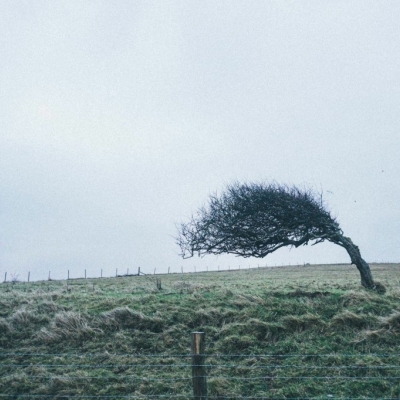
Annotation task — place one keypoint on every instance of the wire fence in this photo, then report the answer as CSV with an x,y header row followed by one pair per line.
x,y
130,272
223,376
138,271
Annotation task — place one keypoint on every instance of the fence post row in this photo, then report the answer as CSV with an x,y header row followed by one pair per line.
x,y
198,368
138,273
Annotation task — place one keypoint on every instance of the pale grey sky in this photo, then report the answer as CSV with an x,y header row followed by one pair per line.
x,y
119,118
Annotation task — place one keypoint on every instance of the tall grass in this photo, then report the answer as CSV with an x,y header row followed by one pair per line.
x,y
86,339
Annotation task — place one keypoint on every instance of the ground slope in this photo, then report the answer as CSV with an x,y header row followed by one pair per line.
x,y
287,332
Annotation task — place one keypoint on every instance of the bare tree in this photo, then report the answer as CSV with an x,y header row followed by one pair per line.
x,y
253,220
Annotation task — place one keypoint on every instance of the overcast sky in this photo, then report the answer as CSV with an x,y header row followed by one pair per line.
x,y
119,118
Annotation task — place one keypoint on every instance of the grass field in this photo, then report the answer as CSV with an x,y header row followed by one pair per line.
x,y
286,332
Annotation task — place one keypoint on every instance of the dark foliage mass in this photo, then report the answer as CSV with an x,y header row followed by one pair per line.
x,y
256,219
253,220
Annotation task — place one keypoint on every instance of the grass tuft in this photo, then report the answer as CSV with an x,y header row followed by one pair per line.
x,y
235,344
68,325
380,288
265,330
127,318
295,323
347,319
392,322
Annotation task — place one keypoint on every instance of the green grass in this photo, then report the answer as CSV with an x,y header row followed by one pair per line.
x,y
122,336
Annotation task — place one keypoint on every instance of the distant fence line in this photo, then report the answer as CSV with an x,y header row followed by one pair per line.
x,y
260,373
14,278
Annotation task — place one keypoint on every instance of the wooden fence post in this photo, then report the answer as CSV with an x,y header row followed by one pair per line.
x,y
85,273
198,368
5,277
68,276
29,276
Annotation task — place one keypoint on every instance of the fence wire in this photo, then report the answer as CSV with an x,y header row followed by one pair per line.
x,y
208,355
129,397
168,376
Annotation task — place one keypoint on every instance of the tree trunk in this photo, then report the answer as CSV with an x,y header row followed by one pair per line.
x,y
355,256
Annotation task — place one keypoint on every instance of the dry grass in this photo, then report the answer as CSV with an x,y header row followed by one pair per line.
x,y
68,326
348,319
392,321
124,317
299,323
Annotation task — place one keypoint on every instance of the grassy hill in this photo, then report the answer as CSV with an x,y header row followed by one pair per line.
x,y
287,332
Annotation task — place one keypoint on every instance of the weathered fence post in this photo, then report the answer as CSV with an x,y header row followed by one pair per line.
x,y
5,277
116,272
101,273
198,368
85,273
168,269
158,283
138,271
29,276
68,276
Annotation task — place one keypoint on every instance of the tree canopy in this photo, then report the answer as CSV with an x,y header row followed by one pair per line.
x,y
256,219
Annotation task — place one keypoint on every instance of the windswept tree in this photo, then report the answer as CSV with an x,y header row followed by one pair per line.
x,y
254,220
